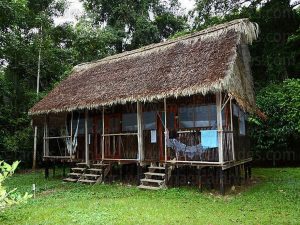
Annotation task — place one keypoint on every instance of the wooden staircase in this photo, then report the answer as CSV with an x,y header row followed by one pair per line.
x,y
76,172
88,174
95,173
155,178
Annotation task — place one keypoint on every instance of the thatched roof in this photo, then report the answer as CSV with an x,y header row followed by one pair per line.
x,y
207,61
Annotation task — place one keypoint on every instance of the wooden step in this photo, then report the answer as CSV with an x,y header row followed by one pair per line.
x,y
99,164
91,175
68,179
87,181
156,168
95,170
81,164
75,174
148,187
78,168
159,182
155,174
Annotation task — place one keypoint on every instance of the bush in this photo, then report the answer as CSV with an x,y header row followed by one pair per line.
x,y
281,130
11,197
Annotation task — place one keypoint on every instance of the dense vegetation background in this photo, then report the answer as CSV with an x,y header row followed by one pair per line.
x,y
109,27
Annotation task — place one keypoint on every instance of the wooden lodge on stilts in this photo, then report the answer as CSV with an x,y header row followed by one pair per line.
x,y
168,114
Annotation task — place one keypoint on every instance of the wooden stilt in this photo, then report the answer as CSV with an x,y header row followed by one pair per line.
x,y
46,170
126,173
177,177
232,173
249,171
239,175
246,173
54,169
199,171
138,180
64,170
166,174
207,177
227,176
211,181
121,173
110,174
222,185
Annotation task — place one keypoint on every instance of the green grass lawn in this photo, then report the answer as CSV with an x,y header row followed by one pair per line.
x,y
275,199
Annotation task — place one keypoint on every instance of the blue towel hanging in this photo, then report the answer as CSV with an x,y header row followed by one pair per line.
x,y
209,138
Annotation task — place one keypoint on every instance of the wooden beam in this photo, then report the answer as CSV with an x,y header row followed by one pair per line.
x,y
44,138
140,132
103,132
120,134
86,136
231,128
166,130
47,134
71,134
220,125
58,137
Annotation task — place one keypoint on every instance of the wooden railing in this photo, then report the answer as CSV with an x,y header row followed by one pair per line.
x,y
120,146
227,145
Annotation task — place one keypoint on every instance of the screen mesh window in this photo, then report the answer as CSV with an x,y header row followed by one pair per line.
x,y
242,124
198,116
149,120
129,122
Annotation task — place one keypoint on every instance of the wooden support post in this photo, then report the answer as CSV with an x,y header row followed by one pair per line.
x,y
199,175
166,174
138,180
46,135
110,173
220,125
140,132
177,177
64,170
239,175
54,169
249,171
86,137
231,128
166,130
44,139
71,135
47,170
231,172
103,133
222,184
210,179
121,173
246,173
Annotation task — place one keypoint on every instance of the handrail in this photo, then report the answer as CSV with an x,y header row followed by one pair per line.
x,y
119,134
57,137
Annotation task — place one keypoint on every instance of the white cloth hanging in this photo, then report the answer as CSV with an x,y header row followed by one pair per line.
x,y
72,145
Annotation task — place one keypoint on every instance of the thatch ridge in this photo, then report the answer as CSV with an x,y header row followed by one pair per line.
x,y
176,74
251,30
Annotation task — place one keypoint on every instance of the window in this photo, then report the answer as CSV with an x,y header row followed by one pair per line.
x,y
186,117
129,122
198,116
114,125
149,120
242,116
201,116
242,125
